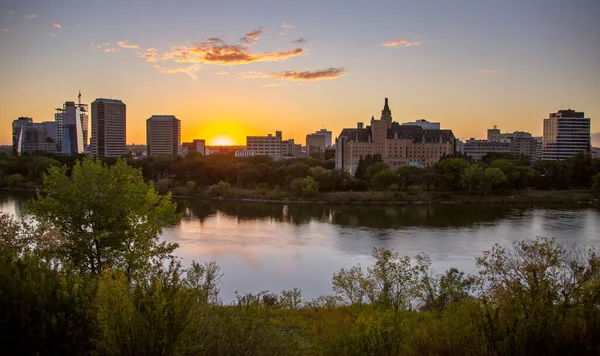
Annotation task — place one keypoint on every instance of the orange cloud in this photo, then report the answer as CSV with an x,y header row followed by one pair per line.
x,y
488,71
249,37
29,17
109,50
214,50
124,44
57,25
329,73
401,42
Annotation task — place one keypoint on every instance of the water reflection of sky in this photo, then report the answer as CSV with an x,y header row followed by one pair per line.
x,y
276,247
271,254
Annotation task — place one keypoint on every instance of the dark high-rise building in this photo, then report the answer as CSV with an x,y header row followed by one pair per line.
x,y
163,135
108,128
566,133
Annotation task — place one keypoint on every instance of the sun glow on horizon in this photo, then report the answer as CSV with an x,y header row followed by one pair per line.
x,y
221,140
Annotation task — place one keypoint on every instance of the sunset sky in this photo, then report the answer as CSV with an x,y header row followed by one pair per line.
x,y
228,69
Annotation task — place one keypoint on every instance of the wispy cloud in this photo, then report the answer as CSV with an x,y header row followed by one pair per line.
x,y
329,73
10,12
300,40
285,28
270,85
124,44
249,37
110,50
189,70
221,73
57,25
29,17
401,42
51,34
4,30
488,71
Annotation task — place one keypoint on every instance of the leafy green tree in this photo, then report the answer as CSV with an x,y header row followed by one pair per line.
x,y
472,176
383,179
374,168
449,173
108,216
492,178
306,187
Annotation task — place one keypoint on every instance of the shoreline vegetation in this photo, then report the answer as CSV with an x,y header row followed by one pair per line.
x,y
496,179
91,276
577,197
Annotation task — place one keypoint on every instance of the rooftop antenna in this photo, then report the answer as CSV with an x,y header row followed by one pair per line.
x,y
79,97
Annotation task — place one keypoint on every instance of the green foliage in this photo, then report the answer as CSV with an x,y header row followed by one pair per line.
x,y
306,187
108,217
383,179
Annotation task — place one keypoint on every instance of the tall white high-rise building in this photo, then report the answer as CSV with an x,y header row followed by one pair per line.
x,y
163,135
108,128
566,133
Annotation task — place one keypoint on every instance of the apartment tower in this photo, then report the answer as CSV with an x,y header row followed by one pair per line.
x,y
108,128
163,135
566,133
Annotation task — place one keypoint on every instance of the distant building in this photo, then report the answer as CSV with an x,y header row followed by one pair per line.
x,y
424,124
109,121
398,145
72,127
566,133
265,145
317,142
245,153
289,148
476,149
521,143
163,135
195,146
30,137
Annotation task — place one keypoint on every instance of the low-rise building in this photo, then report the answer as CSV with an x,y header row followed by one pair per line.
x,y
270,145
476,149
29,136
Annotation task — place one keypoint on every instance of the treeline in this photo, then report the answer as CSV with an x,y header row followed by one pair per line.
x,y
91,276
498,173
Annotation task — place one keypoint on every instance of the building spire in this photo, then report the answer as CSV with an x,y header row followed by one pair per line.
x,y
79,97
386,113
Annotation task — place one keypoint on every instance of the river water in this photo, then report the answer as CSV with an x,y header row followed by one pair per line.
x,y
267,246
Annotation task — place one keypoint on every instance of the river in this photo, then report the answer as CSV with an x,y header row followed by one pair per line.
x,y
267,246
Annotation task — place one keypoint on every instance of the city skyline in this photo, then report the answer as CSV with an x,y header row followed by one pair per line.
x,y
236,70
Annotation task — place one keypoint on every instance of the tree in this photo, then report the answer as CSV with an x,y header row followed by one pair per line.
x,y
107,216
307,186
596,184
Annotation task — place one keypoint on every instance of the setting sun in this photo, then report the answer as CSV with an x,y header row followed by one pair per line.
x,y
221,140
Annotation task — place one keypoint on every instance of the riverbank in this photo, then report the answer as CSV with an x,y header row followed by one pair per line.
x,y
525,197
568,197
